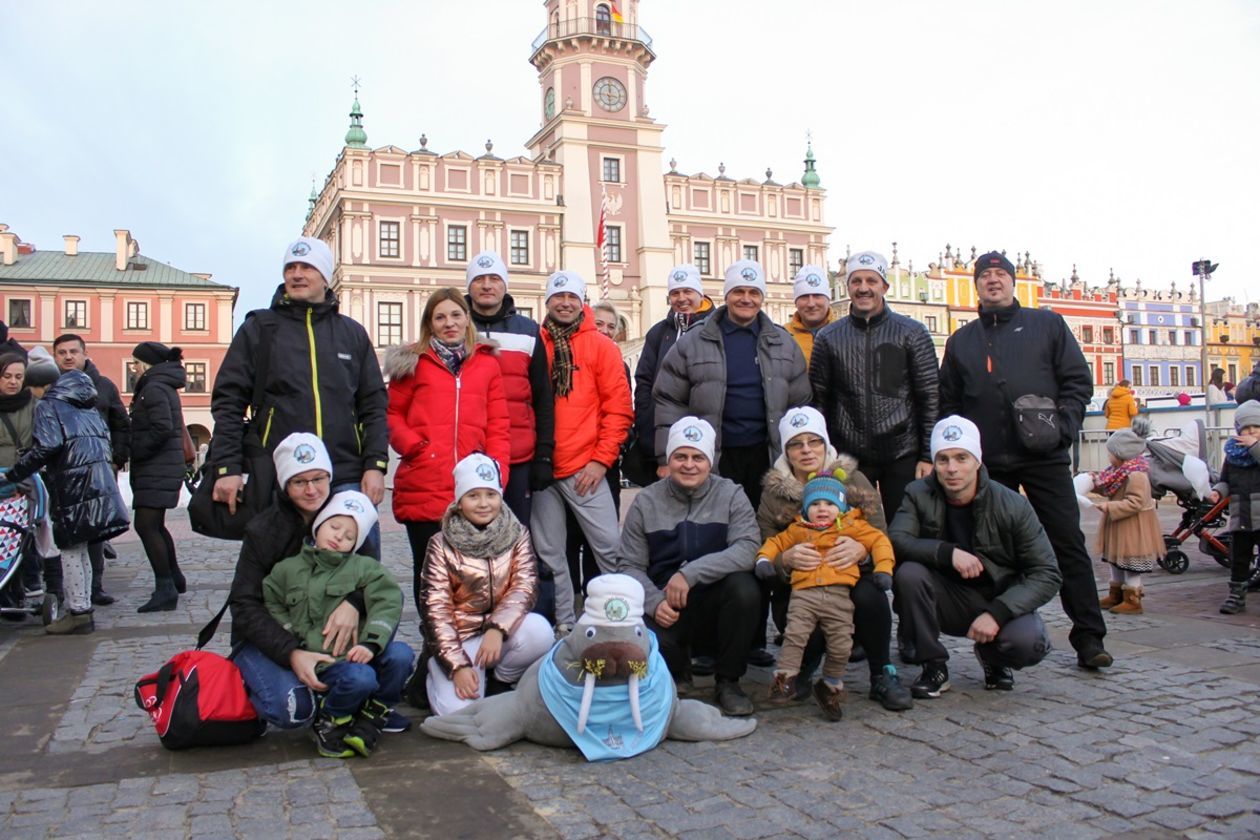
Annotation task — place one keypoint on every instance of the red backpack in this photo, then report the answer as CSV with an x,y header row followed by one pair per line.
x,y
198,699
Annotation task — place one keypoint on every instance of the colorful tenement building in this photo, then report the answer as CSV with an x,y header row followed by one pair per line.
x,y
115,300
1233,337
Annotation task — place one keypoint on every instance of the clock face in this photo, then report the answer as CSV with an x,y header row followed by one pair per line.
x,y
549,103
610,94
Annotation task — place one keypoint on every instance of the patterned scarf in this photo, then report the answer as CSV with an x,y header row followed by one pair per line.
x,y
562,363
1238,455
491,541
1112,479
452,355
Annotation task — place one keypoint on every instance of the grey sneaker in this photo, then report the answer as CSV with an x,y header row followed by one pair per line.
x,y
886,688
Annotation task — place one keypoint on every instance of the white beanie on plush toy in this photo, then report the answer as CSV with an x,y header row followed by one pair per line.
x,y
350,503
313,252
474,472
613,601
694,432
487,262
299,453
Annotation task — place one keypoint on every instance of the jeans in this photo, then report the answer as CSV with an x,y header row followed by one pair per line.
x,y
372,545
278,696
350,684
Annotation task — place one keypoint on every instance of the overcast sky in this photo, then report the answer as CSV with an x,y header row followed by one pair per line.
x,y
1105,134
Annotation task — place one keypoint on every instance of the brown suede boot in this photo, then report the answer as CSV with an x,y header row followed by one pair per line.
x,y
1132,603
1115,595
782,690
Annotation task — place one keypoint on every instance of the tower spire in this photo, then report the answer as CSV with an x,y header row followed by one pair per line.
x,y
810,179
356,137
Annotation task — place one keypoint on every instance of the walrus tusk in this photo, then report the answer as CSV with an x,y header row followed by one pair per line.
x,y
588,694
634,702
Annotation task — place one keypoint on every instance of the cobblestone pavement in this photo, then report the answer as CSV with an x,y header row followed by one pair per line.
x,y
1162,744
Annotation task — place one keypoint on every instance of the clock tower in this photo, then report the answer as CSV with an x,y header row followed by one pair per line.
x,y
592,61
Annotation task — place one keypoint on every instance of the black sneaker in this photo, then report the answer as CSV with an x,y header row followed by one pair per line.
x,y
996,677
732,700
886,688
396,722
366,728
933,681
329,734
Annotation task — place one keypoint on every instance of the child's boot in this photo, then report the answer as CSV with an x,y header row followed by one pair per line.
x,y
783,689
329,734
1115,595
1237,601
1131,604
831,699
367,727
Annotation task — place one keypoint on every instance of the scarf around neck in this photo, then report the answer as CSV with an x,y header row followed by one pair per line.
x,y
1238,455
1112,479
452,355
562,362
16,402
491,541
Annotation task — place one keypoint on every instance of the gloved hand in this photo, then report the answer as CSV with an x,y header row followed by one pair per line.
x,y
541,474
765,569
883,581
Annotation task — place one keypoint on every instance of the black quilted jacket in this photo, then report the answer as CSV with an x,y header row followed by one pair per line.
x,y
875,380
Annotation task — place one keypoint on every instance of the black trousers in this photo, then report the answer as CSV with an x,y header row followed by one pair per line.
x,y
933,603
1050,491
1242,550
891,480
725,611
747,466
418,535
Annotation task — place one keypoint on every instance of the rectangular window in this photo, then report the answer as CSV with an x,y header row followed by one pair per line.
x,y
1109,335
196,377
1172,337
1137,376
76,313
700,256
1135,336
389,239
457,243
137,315
931,323
388,324
1087,334
1109,373
1154,376
1174,376
520,247
1189,338
750,252
130,377
1232,376
612,170
1190,377
613,243
1152,337
194,316
19,314
796,260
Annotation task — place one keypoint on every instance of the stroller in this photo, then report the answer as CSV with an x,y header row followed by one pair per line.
x,y
22,591
1178,465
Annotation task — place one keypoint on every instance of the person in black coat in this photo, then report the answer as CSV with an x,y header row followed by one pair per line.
x,y
72,440
157,463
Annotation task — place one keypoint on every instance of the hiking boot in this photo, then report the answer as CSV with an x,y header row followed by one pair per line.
x,y
1115,595
782,690
1093,656
366,728
830,699
329,734
933,681
886,688
731,699
72,624
1131,603
996,677
1237,601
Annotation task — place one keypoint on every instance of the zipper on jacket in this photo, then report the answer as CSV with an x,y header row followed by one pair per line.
x,y
271,413
490,577
310,335
455,443
870,372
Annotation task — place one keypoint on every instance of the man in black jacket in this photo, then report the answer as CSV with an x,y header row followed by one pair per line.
x,y
874,377
322,377
70,351
1011,352
972,560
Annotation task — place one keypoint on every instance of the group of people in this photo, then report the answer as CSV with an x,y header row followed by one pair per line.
x,y
62,420
799,473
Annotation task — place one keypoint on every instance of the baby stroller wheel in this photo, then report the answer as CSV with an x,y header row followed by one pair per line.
x,y
51,610
1175,561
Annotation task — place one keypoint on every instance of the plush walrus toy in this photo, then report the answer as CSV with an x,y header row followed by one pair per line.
x,y
604,688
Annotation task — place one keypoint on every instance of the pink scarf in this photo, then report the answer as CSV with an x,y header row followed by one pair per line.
x,y
1112,479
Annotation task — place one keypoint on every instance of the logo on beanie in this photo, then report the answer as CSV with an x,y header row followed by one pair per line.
x,y
813,280
485,472
560,282
952,433
616,609
679,276
798,420
300,249
485,262
352,505
866,259
749,274
304,454
692,434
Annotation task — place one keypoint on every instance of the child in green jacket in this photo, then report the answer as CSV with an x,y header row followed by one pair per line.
x,y
361,688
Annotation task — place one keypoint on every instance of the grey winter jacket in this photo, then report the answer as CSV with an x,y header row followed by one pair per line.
x,y
876,381
1241,485
692,379
706,534
1009,540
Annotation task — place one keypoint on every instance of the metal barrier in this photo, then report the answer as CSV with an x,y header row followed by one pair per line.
x,y
1090,452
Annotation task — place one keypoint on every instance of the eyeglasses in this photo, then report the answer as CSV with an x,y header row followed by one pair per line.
x,y
301,484
798,445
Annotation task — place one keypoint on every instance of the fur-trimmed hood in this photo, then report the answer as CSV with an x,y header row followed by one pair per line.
x,y
401,359
782,494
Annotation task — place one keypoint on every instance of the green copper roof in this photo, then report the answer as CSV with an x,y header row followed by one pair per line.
x,y
810,178
356,136
95,268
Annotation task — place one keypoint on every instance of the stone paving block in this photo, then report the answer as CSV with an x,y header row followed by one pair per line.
x,y
1224,806
1178,819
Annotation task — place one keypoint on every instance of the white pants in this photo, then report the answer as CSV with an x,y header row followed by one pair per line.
x,y
532,639
598,519
76,577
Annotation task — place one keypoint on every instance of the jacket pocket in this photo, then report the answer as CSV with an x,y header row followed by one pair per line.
x,y
890,370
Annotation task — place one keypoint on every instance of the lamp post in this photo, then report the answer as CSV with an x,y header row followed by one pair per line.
x,y
1203,270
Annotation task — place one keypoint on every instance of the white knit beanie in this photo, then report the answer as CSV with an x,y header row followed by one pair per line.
x,y
799,421
474,472
299,453
350,503
956,432
810,280
694,432
685,276
868,261
745,273
613,601
487,262
313,252
565,281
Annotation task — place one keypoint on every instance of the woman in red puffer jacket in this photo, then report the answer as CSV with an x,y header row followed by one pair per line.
x,y
446,401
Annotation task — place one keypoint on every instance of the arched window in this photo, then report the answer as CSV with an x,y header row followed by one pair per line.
x,y
603,20
555,24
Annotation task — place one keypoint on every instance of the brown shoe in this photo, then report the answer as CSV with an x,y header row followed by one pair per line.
x,y
1132,603
831,700
1115,595
782,690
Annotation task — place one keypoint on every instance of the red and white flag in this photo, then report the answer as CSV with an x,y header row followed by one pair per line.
x,y
601,239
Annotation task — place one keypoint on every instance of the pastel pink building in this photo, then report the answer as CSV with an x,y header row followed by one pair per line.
x,y
401,222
